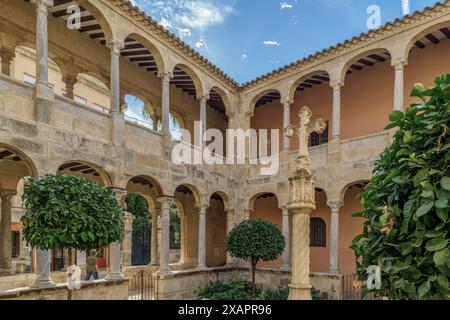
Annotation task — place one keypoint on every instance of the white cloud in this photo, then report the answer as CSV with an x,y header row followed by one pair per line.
x,y
184,32
200,44
244,56
165,23
285,5
271,43
406,7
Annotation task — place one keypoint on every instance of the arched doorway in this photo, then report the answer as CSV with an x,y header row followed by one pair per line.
x,y
15,170
216,232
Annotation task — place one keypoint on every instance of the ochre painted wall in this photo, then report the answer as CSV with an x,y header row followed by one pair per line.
x,y
267,209
349,228
320,256
367,100
425,65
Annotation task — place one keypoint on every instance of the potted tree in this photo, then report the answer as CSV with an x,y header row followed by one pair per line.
x,y
69,212
256,240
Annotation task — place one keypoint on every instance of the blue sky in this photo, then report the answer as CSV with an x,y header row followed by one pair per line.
x,y
247,38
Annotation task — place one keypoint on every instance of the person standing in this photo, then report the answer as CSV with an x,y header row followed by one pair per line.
x,y
91,266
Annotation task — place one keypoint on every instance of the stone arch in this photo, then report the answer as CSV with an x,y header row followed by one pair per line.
x,y
146,185
303,78
225,198
355,58
87,170
28,162
254,100
96,10
346,187
154,50
216,231
194,190
194,77
225,99
416,37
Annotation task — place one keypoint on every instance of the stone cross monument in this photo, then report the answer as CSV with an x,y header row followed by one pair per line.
x,y
302,203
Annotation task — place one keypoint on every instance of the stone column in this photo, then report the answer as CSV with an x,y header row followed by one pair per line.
x,y
115,271
302,203
286,123
43,260
399,66
202,237
154,245
115,47
334,236
165,120
5,232
165,234
7,56
127,241
336,85
286,257
44,94
70,82
231,223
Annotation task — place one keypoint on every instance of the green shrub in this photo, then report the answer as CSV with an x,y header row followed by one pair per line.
x,y
406,204
233,290
255,240
318,295
70,212
275,294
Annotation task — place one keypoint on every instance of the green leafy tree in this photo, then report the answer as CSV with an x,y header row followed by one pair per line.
x,y
70,212
406,204
256,240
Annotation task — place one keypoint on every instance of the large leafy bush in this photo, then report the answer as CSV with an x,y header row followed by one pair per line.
x,y
255,240
70,212
407,202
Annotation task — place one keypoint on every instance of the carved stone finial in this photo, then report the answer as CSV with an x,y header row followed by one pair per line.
x,y
303,130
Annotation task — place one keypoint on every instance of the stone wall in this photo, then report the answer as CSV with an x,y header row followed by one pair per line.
x,y
98,290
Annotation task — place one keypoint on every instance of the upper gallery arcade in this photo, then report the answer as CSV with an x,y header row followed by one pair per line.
x,y
62,110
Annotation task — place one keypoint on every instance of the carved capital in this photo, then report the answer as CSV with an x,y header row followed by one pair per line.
x,y
337,85
115,46
70,80
335,205
399,64
166,75
203,98
166,202
202,207
43,5
6,195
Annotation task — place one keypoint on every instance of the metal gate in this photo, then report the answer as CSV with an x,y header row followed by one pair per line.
x,y
142,286
351,293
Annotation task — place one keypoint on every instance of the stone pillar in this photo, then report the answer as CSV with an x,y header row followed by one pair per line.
x,y
165,234
5,232
44,94
336,85
231,223
115,47
202,237
203,100
7,56
115,271
43,260
286,123
334,236
286,257
165,120
399,66
302,203
70,82
154,245
127,241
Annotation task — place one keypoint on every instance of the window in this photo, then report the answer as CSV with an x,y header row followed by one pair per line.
x,y
318,235
15,244
318,139
80,100
29,79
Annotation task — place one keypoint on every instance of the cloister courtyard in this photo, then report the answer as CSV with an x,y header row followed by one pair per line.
x,y
65,101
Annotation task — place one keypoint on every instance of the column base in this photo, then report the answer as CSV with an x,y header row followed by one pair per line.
x,y
201,268
44,99
334,271
286,268
164,271
300,292
115,277
43,284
